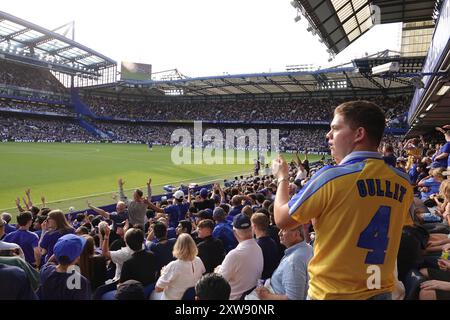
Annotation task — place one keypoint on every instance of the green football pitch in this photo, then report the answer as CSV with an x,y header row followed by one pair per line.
x,y
69,174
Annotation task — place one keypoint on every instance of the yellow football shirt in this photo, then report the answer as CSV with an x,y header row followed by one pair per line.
x,y
359,207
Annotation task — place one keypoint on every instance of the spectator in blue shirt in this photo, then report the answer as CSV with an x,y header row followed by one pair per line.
x,y
290,280
54,228
27,240
440,159
176,211
7,218
223,230
63,281
14,284
271,254
163,247
430,185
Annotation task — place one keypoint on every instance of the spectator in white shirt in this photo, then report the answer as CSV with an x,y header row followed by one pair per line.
x,y
181,274
242,266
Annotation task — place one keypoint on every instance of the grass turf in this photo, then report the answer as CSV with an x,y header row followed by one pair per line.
x,y
69,174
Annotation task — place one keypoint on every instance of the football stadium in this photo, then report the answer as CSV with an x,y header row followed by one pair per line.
x,y
123,182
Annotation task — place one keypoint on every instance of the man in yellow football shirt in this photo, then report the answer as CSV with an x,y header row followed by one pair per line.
x,y
358,208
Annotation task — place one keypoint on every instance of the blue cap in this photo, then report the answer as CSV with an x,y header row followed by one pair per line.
x,y
241,221
70,246
204,193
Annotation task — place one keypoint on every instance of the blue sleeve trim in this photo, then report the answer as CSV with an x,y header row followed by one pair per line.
x,y
320,180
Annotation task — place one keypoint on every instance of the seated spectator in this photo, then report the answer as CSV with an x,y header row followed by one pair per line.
x,y
430,185
92,266
54,228
212,286
31,272
210,250
27,240
182,273
290,280
15,284
62,281
260,225
242,266
438,285
223,230
142,264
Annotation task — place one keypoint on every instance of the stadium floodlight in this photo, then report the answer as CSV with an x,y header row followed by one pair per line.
x,y
298,18
295,4
443,90
431,106
422,115
386,68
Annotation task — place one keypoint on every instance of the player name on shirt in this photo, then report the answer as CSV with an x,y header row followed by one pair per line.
x,y
380,188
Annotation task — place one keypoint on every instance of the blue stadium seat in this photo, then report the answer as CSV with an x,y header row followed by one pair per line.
x,y
98,294
189,294
110,295
148,290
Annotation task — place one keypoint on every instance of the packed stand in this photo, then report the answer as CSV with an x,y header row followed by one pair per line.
x,y
245,110
13,74
26,128
36,107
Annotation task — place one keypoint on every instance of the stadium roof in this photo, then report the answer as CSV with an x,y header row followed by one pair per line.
x,y
340,22
30,41
339,78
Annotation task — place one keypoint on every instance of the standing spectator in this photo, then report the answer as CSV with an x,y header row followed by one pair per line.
x,y
377,200
290,279
54,228
92,266
132,240
210,250
119,216
440,158
62,281
242,266
202,201
182,273
137,208
223,230
389,156
260,224
27,240
176,211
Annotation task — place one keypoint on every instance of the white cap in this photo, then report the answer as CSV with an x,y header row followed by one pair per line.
x,y
178,194
72,209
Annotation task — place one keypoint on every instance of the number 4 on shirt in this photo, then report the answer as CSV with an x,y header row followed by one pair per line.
x,y
375,236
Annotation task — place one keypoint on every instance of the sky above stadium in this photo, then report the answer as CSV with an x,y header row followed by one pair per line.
x,y
199,37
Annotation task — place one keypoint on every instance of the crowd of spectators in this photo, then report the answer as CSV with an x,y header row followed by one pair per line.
x,y
26,128
16,105
244,110
225,236
13,74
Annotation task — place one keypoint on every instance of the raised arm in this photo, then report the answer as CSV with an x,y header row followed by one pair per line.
x,y
43,201
122,195
281,208
101,212
149,189
104,241
28,194
155,208
19,207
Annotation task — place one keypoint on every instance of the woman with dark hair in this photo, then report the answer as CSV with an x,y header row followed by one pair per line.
x,y
53,228
92,266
